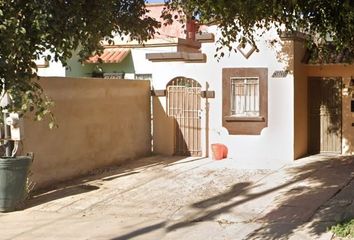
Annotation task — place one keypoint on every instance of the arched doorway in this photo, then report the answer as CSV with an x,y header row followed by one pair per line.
x,y
184,105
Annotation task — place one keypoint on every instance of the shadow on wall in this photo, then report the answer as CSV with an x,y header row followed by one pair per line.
x,y
168,139
284,50
181,146
163,131
285,55
332,105
183,107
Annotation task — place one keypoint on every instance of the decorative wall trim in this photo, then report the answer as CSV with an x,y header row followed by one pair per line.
x,y
208,94
177,56
244,125
205,37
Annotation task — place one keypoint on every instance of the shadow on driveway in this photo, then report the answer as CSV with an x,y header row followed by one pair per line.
x,y
310,186
82,184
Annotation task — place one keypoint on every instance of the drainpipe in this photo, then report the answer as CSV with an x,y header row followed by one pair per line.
x,y
191,28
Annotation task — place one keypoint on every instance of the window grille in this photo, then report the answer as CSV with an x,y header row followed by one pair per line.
x,y
245,97
114,75
143,76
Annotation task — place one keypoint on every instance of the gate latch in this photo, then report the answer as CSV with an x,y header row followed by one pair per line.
x,y
200,114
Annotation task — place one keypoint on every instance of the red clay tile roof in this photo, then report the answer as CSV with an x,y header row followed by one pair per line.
x,y
174,30
110,55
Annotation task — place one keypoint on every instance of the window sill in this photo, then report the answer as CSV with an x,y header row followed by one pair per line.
x,y
244,119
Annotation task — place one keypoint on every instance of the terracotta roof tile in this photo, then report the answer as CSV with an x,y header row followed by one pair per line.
x,y
110,55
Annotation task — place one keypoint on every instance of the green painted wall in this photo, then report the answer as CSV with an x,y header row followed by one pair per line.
x,y
76,69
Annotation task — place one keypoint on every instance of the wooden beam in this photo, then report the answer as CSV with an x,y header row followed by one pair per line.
x,y
208,94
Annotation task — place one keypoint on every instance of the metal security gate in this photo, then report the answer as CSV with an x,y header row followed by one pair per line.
x,y
184,105
325,113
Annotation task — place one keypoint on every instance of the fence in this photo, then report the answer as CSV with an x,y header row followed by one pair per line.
x,y
102,122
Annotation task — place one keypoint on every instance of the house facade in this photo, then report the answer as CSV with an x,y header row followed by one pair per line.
x,y
266,105
49,69
245,101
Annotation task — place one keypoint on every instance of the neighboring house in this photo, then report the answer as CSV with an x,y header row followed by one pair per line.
x,y
266,105
124,59
50,68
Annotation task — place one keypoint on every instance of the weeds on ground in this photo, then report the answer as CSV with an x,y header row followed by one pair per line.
x,y
344,229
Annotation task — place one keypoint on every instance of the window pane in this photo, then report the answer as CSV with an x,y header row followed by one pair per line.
x,y
245,97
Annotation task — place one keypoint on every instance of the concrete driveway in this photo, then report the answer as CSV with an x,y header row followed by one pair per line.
x,y
191,198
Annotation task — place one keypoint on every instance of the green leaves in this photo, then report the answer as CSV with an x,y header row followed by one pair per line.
x,y
344,229
237,19
54,29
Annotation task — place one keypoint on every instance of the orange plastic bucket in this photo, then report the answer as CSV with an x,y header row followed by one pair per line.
x,y
219,151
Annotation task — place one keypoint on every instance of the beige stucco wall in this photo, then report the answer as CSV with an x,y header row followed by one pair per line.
x,y
163,125
300,102
346,72
101,123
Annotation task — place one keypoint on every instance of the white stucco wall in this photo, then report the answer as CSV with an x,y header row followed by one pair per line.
x,y
55,69
275,144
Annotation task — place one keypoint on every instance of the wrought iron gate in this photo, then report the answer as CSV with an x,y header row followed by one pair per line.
x,y
184,105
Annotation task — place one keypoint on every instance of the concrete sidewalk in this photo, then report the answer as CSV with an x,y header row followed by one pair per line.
x,y
173,198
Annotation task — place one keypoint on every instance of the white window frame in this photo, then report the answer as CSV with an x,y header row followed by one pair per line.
x,y
246,104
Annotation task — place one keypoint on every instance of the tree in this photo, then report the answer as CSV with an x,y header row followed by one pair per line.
x,y
55,29
324,21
